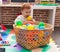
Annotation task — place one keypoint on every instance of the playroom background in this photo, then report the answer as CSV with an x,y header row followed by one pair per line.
x,y
10,9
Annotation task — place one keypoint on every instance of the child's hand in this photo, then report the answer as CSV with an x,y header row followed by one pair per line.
x,y
36,22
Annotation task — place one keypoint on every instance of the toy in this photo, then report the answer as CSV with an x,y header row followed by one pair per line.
x,y
27,24
30,27
3,27
29,18
30,22
19,23
24,26
21,27
36,27
0,37
18,26
41,34
4,43
41,26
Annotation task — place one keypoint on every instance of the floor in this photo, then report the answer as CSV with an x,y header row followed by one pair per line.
x,y
56,36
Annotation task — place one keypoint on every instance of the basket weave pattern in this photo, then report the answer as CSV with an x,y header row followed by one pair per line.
x,y
30,39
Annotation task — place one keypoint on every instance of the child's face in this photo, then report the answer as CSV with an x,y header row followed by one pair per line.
x,y
26,12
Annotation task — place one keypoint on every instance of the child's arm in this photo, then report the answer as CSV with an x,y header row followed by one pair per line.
x,y
36,22
18,18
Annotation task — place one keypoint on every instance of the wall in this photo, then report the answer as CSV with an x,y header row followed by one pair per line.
x,y
8,15
57,17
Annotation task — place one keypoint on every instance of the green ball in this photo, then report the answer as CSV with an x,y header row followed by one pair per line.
x,y
41,24
36,26
19,23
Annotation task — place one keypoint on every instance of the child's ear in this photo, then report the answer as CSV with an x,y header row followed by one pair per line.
x,y
21,11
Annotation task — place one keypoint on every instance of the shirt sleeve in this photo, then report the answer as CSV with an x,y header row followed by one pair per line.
x,y
18,18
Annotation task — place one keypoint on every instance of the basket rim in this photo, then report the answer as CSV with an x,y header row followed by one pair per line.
x,y
51,27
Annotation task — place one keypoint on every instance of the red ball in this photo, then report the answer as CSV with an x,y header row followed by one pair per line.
x,y
30,22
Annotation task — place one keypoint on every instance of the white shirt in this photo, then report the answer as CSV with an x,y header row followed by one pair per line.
x,y
21,17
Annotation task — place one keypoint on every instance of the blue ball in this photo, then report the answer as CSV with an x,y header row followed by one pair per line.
x,y
27,24
4,33
41,28
3,42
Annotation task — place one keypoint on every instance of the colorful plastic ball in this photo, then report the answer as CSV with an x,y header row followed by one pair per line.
x,y
4,33
21,27
41,28
18,26
29,18
24,26
36,26
0,38
3,42
41,24
41,34
46,33
19,23
31,22
27,24
30,27
6,42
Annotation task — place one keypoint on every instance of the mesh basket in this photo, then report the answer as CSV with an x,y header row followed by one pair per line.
x,y
30,39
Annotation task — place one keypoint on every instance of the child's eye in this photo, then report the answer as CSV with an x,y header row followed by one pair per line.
x,y
27,12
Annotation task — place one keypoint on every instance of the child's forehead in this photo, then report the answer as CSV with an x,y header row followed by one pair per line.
x,y
26,9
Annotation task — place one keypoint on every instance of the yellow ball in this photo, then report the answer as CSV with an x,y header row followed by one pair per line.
x,y
41,34
30,27
29,18
24,26
18,26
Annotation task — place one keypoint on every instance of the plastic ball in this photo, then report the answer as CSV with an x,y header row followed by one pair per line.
x,y
36,26
30,27
41,24
27,24
0,38
19,23
3,42
30,22
41,28
29,18
6,42
18,26
41,34
24,26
